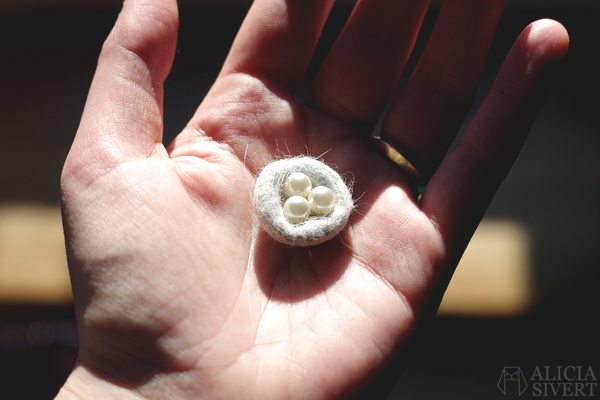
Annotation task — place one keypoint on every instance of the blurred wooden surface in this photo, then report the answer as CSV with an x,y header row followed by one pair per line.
x,y
491,280
33,263
493,277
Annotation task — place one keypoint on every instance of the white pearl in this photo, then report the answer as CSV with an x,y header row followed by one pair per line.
x,y
322,200
297,184
296,209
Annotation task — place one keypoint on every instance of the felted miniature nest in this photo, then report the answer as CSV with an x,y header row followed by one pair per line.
x,y
269,197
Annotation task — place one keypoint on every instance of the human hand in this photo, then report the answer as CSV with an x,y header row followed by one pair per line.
x,y
178,292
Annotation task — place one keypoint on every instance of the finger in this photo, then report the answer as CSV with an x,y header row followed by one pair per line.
x,y
429,111
462,188
122,119
362,67
277,39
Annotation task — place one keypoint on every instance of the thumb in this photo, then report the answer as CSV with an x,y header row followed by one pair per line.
x,y
122,120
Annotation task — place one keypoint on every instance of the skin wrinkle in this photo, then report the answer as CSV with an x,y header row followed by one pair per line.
x,y
119,98
254,343
277,15
143,79
269,305
259,329
221,326
474,159
353,370
505,92
290,354
403,265
200,366
323,287
94,197
361,305
352,254
176,323
90,169
221,157
407,315
147,95
361,262
196,188
80,170
240,135
241,237
192,189
191,139
249,272
226,320
124,189
161,24
345,112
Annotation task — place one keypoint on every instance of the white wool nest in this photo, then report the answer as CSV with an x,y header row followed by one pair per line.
x,y
269,197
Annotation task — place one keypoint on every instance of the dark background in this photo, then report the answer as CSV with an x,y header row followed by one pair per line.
x,y
48,53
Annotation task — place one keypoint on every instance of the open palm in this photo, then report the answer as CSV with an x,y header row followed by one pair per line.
x,y
178,291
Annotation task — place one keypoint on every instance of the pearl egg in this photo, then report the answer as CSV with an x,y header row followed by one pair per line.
x,y
296,209
297,184
321,200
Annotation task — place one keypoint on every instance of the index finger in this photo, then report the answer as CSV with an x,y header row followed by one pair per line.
x,y
277,39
